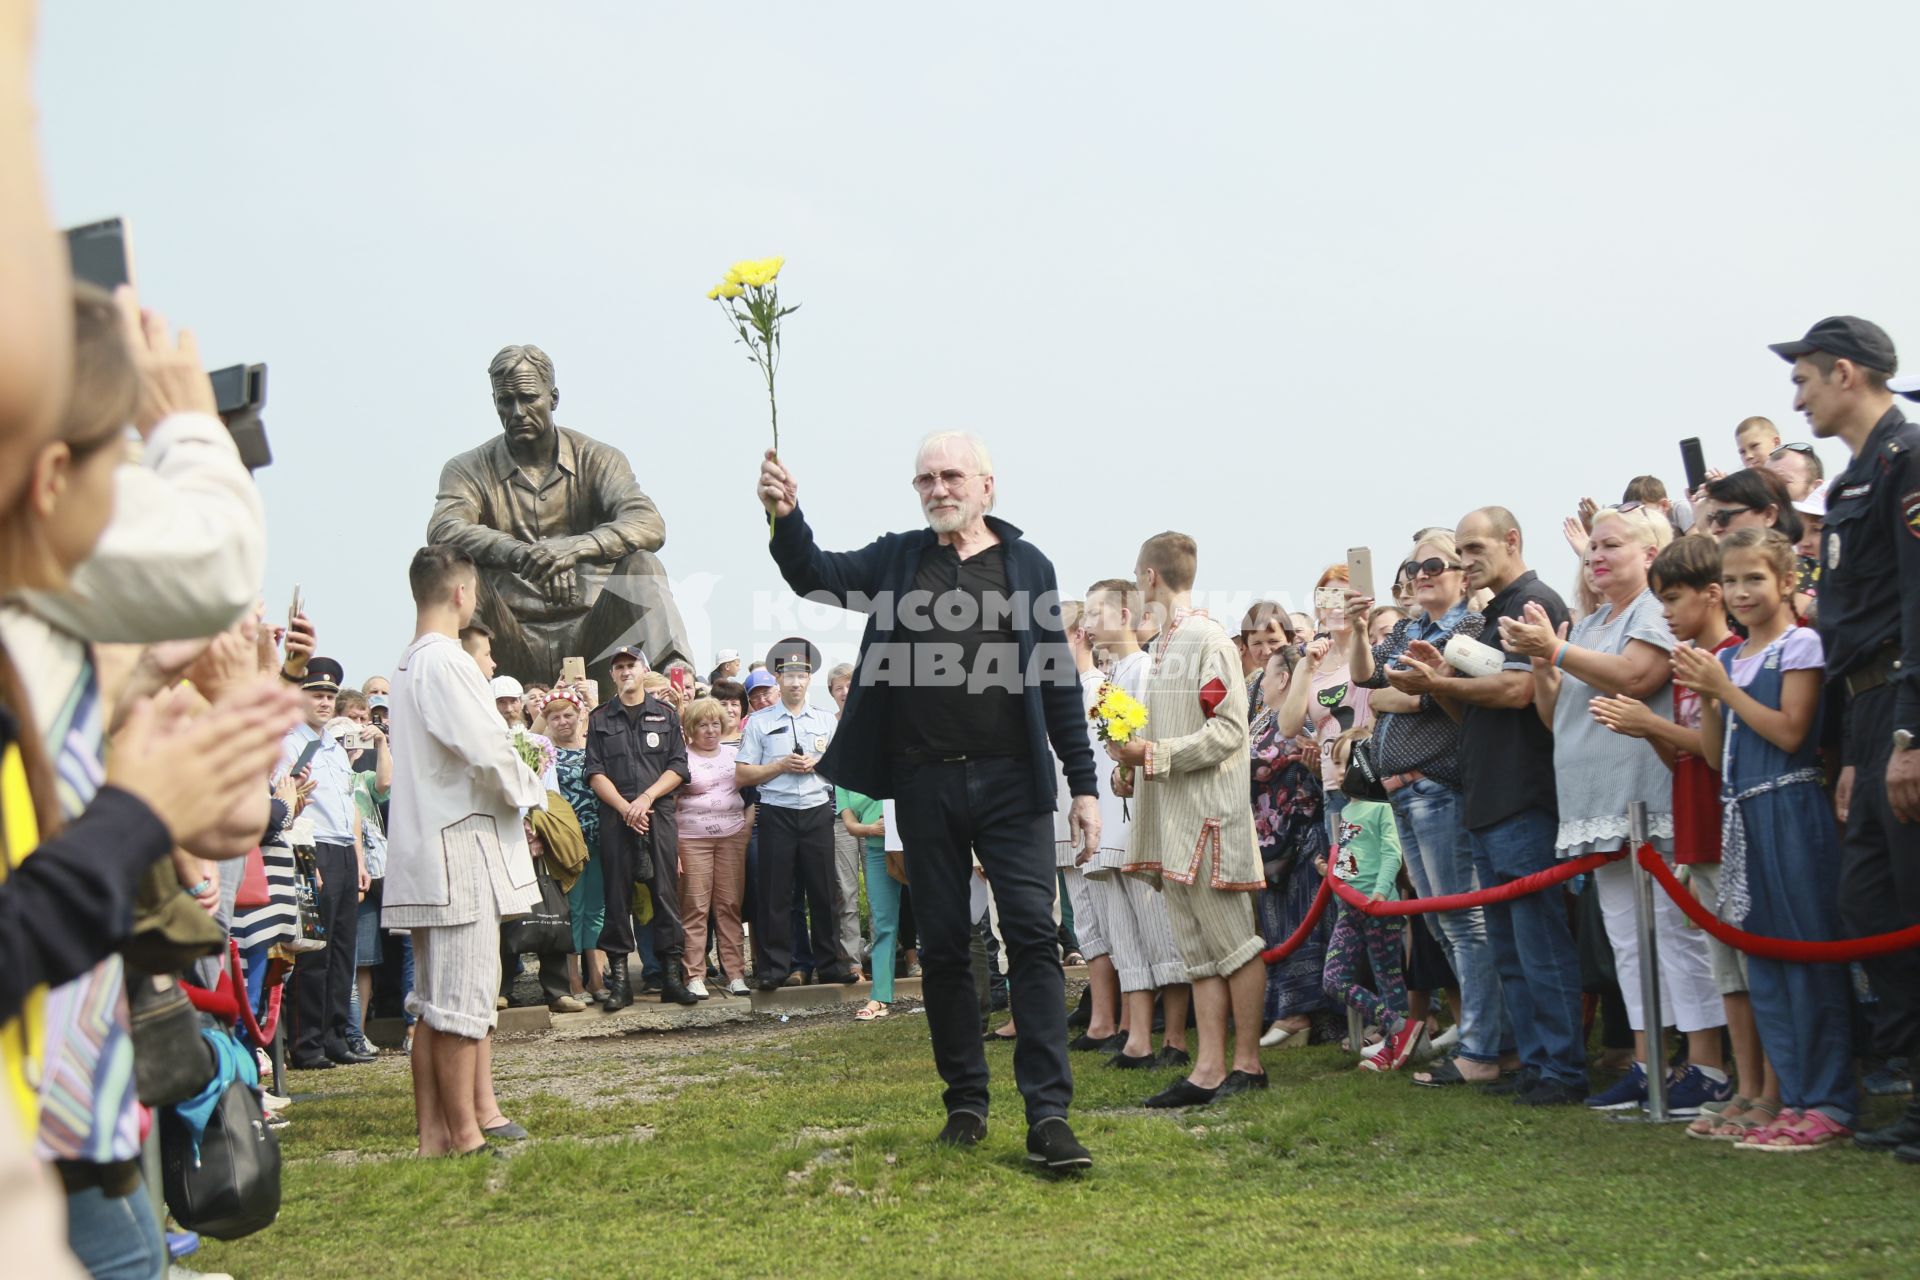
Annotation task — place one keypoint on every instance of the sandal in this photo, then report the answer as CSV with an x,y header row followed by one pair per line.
x,y
872,1011
1733,1119
1447,1073
1809,1131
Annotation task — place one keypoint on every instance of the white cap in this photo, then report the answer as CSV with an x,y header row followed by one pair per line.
x,y
1907,385
1814,504
725,656
507,687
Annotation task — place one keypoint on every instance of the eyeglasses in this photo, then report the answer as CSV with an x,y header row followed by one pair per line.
x,y
1798,446
1433,567
923,483
1625,507
1724,516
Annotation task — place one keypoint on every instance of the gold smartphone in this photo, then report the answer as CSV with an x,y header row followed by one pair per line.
x,y
1360,570
573,670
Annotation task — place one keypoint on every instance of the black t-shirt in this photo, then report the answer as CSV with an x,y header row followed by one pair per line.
x,y
966,696
1506,756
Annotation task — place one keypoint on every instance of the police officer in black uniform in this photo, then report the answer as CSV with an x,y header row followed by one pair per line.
x,y
636,757
1870,627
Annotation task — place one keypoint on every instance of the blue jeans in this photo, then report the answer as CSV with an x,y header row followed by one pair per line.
x,y
118,1237
1439,861
883,901
1533,948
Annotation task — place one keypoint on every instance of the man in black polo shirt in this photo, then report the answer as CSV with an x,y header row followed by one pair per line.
x,y
1512,816
1870,628
963,684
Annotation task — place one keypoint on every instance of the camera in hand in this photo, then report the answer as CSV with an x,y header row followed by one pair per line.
x,y
240,393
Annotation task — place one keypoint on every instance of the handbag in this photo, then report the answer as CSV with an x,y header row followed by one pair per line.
x,y
170,1058
548,928
311,935
253,893
233,1188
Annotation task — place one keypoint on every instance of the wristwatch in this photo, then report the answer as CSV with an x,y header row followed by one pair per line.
x,y
1902,739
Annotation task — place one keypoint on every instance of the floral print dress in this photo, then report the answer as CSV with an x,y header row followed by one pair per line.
x,y
1289,822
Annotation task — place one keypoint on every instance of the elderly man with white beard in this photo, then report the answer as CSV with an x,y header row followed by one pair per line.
x,y
964,693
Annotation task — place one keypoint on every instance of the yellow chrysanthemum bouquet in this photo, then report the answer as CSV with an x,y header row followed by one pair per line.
x,y
1117,717
750,296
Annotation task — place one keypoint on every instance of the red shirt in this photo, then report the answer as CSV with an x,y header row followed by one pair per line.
x,y
1696,787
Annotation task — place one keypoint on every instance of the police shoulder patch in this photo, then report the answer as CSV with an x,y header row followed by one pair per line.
x,y
1910,511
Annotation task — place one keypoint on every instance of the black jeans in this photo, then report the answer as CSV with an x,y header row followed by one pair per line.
x,y
323,980
796,852
617,870
949,813
1880,873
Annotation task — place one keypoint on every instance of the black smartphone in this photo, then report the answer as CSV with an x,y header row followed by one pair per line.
x,y
100,254
305,757
1695,462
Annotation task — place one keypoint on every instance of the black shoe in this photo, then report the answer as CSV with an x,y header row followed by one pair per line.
x,y
1512,1084
1238,1082
1552,1093
1901,1133
1172,1057
1907,1154
1082,1015
650,986
619,988
963,1129
1183,1093
1052,1144
1085,1043
346,1057
994,1037
769,984
674,991
313,1064
1127,1062
835,977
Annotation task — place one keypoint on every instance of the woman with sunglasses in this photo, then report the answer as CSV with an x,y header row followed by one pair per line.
x,y
1750,499
1415,747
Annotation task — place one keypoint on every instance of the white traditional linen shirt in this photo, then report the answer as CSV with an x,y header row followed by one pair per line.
x,y
458,792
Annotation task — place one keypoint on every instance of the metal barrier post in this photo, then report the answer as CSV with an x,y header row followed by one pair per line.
x,y
1355,1030
1651,1017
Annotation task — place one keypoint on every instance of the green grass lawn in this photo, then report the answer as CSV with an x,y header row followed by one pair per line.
x,y
805,1150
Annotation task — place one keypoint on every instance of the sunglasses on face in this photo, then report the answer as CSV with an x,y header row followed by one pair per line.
x,y
1797,446
1433,567
1724,516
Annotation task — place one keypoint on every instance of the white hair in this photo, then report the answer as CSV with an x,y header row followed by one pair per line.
x,y
982,459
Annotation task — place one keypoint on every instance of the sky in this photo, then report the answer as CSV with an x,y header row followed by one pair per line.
x,y
1288,278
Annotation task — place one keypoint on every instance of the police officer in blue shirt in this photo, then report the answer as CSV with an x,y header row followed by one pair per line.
x,y
1870,627
323,980
779,749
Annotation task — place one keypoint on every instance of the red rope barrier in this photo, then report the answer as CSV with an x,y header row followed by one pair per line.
x,y
1754,944
1291,943
1480,897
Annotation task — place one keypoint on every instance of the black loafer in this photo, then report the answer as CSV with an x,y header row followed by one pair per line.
x,y
1084,1043
1127,1062
1238,1082
507,1131
313,1064
963,1129
1051,1144
1182,1093
1512,1084
1902,1132
1172,1057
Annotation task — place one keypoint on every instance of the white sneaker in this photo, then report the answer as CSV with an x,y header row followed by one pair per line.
x,y
1373,1050
738,987
697,988
273,1101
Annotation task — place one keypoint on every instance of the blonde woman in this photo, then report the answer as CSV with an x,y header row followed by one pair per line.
x,y
1624,649
714,824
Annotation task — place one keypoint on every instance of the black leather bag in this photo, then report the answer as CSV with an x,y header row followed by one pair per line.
x,y
1363,779
233,1190
171,1059
548,928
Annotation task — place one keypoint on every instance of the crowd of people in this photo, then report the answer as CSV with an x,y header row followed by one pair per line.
x,y
196,800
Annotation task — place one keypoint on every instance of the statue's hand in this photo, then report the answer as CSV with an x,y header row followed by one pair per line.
x,y
550,557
